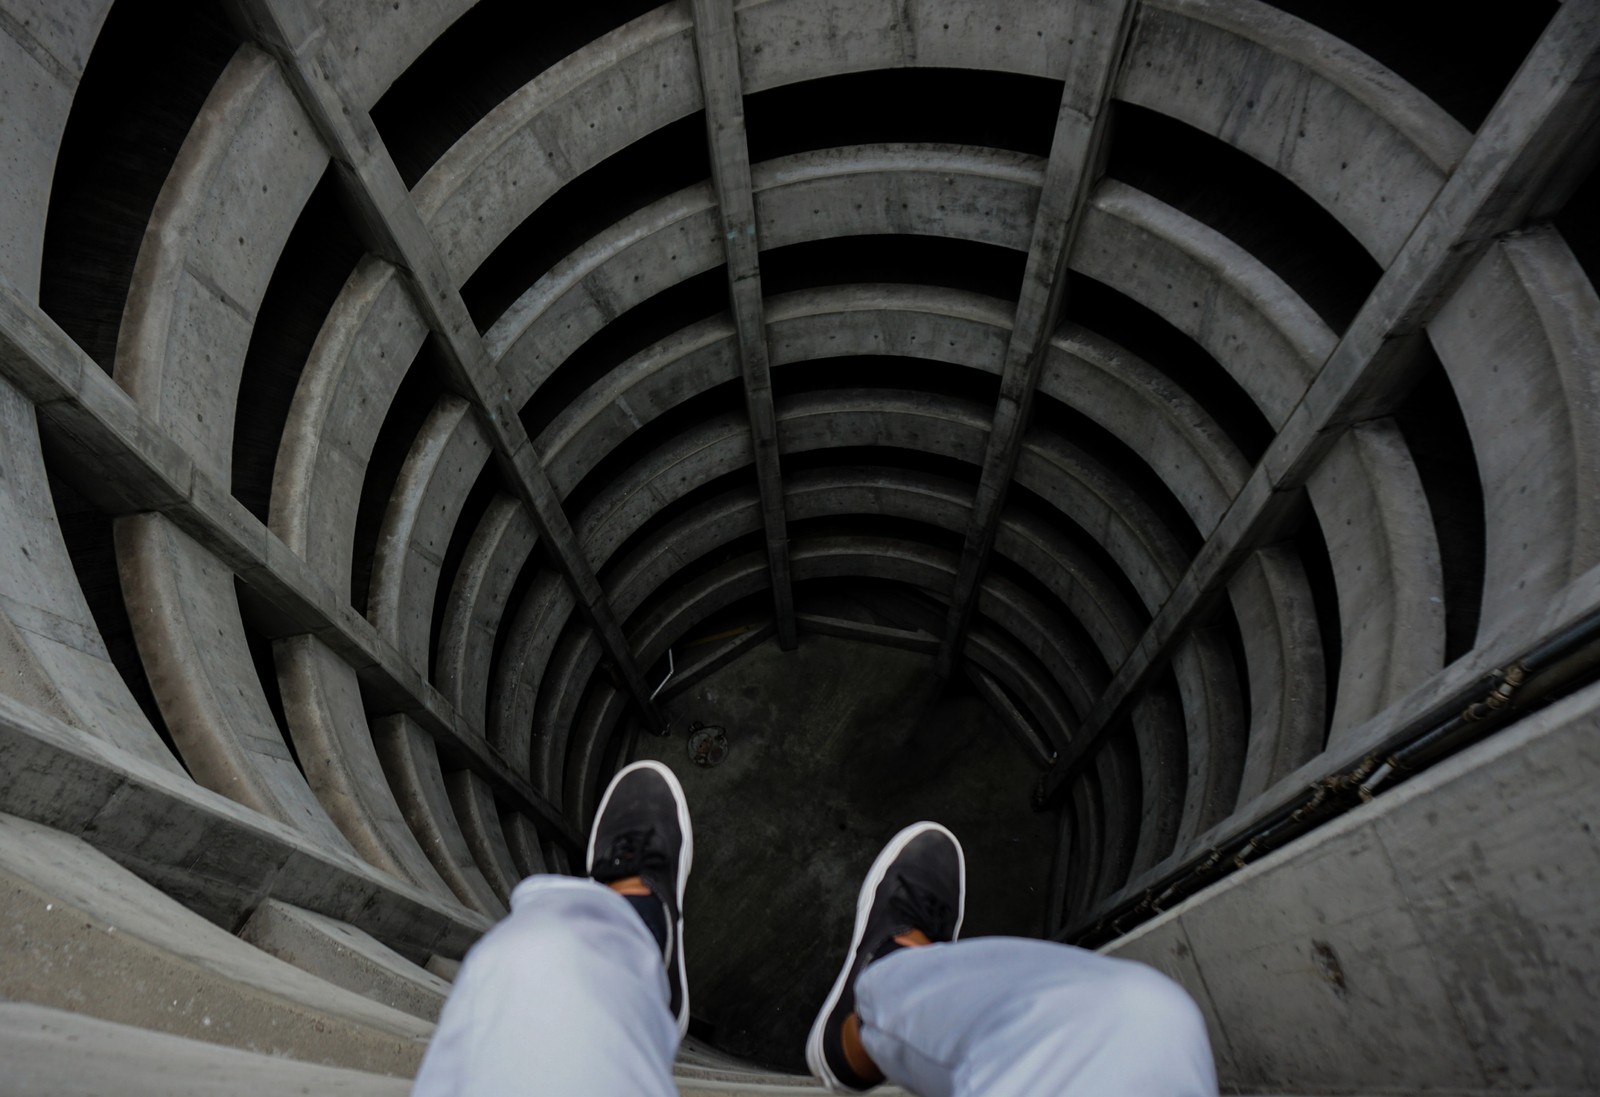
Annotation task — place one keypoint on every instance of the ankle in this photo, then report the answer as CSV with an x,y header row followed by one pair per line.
x,y
913,938
630,885
855,1052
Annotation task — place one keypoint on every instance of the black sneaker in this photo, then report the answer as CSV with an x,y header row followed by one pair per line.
x,y
642,829
919,881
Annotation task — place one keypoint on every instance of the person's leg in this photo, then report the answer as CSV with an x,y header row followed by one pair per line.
x,y
581,988
566,995
1002,1015
995,1016
914,893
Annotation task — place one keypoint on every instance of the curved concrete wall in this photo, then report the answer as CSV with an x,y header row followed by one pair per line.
x,y
586,480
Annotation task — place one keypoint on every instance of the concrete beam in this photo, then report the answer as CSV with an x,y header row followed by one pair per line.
x,y
1529,154
210,853
139,956
346,957
392,225
124,463
717,47
910,640
1016,721
1099,31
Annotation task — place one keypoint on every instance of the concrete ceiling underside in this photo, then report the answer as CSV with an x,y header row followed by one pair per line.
x,y
394,395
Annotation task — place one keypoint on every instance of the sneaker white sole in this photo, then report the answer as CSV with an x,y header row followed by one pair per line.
x,y
685,861
880,868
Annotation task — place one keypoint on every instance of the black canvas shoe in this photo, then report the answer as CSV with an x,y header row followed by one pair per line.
x,y
919,881
642,829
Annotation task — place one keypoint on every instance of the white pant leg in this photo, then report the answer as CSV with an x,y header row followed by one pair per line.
x,y
566,995
1007,1017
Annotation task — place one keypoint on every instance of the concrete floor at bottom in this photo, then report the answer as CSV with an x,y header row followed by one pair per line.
x,y
833,748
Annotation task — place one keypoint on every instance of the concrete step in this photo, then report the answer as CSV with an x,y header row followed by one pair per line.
x,y
718,1080
690,1087
51,1053
346,957
80,932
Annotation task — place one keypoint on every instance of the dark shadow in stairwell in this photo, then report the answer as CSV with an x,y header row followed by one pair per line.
x,y
153,65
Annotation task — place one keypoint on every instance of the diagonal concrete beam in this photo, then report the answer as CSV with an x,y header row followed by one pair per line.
x,y
717,47
1096,35
1011,714
215,855
1529,155
122,461
905,639
295,34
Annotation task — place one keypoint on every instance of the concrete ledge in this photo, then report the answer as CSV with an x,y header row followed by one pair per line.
x,y
1520,340
443,967
185,613
333,741
561,690
372,334
626,84
782,41
1368,147
411,763
475,810
50,647
41,61
389,38
212,854
1385,553
523,841
346,957
535,628
444,461
479,597
240,181
87,934
1217,293
1437,939
53,1053
1278,629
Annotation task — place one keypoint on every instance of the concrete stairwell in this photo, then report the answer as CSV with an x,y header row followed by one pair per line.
x,y
124,991
1391,929
1159,439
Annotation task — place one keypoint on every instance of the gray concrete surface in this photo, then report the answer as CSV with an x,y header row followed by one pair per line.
x,y
41,60
1515,163
60,1053
1443,929
1370,148
88,935
1083,123
486,770
1526,316
716,42
122,461
412,767
346,957
54,657
395,225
